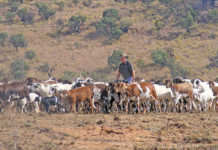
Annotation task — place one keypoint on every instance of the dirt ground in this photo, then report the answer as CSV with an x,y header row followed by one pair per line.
x,y
108,132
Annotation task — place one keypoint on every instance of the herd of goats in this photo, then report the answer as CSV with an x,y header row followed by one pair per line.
x,y
88,96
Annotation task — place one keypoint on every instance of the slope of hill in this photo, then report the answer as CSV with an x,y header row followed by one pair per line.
x,y
182,30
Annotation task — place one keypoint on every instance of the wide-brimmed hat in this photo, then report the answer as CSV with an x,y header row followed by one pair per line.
x,y
124,55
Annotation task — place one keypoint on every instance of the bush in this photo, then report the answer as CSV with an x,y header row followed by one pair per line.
x,y
187,21
166,2
160,57
114,59
44,68
3,37
19,68
25,16
68,75
87,3
177,70
10,17
111,13
75,23
159,25
2,74
18,40
44,11
30,54
14,6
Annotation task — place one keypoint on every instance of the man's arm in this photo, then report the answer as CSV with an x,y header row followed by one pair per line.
x,y
133,74
118,75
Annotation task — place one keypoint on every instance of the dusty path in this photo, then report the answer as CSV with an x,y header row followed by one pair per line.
x,y
108,132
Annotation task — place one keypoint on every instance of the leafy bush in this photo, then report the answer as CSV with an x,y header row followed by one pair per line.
x,y
14,6
213,62
25,16
44,68
114,59
160,57
107,26
187,22
30,54
18,40
68,75
15,1
177,70
75,23
87,3
10,17
3,37
111,13
166,2
2,74
44,11
19,68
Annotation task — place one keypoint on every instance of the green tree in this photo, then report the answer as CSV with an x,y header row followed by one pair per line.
x,y
187,21
18,40
114,59
3,37
44,11
25,16
10,17
75,23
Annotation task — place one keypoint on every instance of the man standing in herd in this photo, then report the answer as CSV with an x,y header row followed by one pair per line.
x,y
126,70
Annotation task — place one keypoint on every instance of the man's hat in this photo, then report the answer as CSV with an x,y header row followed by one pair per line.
x,y
124,55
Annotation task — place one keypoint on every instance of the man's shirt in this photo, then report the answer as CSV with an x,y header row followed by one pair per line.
x,y
125,70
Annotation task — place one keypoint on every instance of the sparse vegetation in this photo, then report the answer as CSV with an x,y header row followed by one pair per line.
x,y
18,40
19,68
87,3
60,5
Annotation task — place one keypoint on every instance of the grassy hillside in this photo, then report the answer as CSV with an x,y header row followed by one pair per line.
x,y
186,34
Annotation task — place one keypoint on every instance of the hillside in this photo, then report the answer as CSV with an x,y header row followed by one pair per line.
x,y
182,30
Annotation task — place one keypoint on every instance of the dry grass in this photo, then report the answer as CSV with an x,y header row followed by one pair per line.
x,y
192,52
114,131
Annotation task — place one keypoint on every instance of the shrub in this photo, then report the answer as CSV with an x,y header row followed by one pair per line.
x,y
3,37
10,17
87,3
44,11
30,54
187,22
14,6
19,68
25,16
177,70
75,23
18,40
114,59
160,57
101,74
68,75
166,2
2,74
111,13
44,68
213,62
